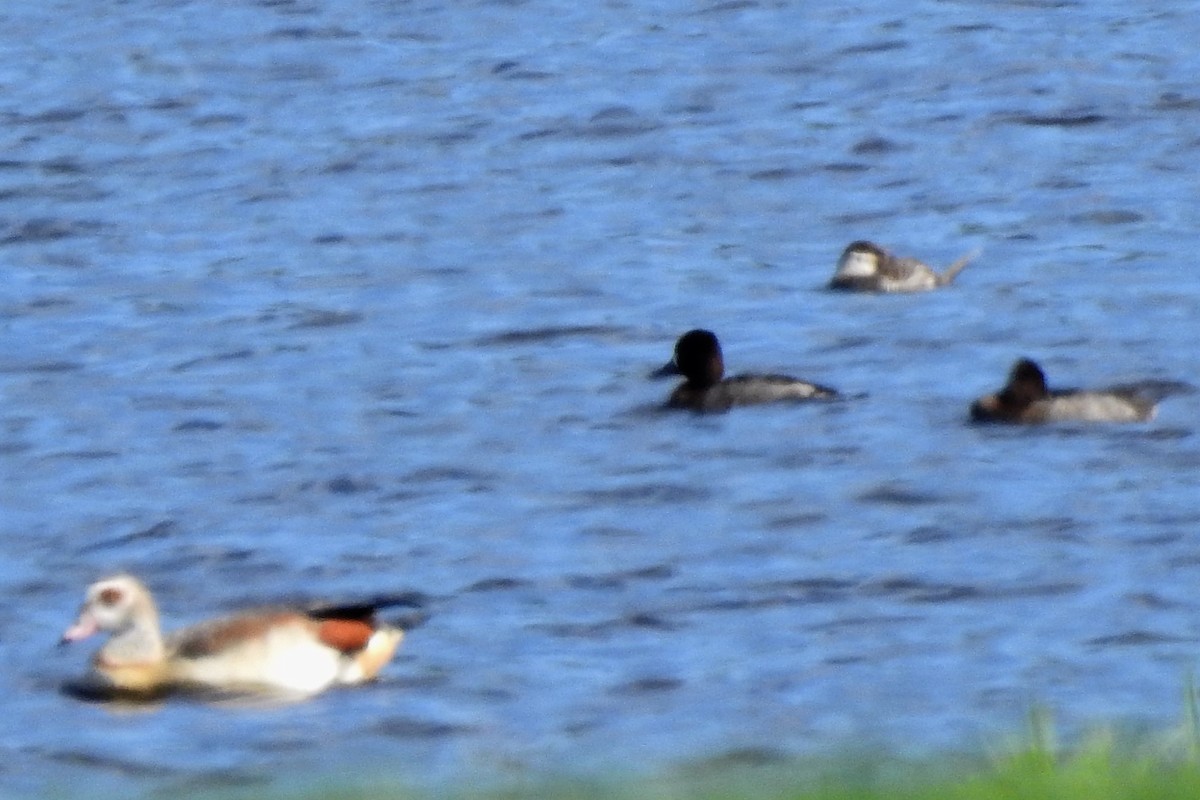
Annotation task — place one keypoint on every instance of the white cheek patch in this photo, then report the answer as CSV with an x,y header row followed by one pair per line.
x,y
857,265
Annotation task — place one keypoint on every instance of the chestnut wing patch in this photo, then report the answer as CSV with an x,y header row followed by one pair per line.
x,y
346,635
346,628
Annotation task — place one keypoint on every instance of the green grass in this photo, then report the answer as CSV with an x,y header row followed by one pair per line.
x,y
1095,773
1098,770
1104,766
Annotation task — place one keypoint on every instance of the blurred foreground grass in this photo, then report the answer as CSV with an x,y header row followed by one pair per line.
x,y
1104,766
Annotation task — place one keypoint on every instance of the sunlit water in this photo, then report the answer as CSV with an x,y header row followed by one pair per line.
x,y
334,299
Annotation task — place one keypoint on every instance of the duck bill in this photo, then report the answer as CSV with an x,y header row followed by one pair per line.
x,y
985,409
84,627
666,370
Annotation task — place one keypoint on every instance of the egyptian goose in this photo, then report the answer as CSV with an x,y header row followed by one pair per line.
x,y
866,267
270,650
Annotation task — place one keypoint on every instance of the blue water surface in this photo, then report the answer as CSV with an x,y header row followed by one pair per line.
x,y
317,299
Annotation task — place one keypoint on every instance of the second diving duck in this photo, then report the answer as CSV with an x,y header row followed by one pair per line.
x,y
1027,399
705,389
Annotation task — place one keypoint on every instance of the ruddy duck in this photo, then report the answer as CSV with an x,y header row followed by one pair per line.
x,y
867,267
698,358
1025,399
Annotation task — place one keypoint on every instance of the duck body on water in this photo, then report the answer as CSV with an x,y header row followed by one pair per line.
x,y
1026,398
866,267
705,388
275,651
